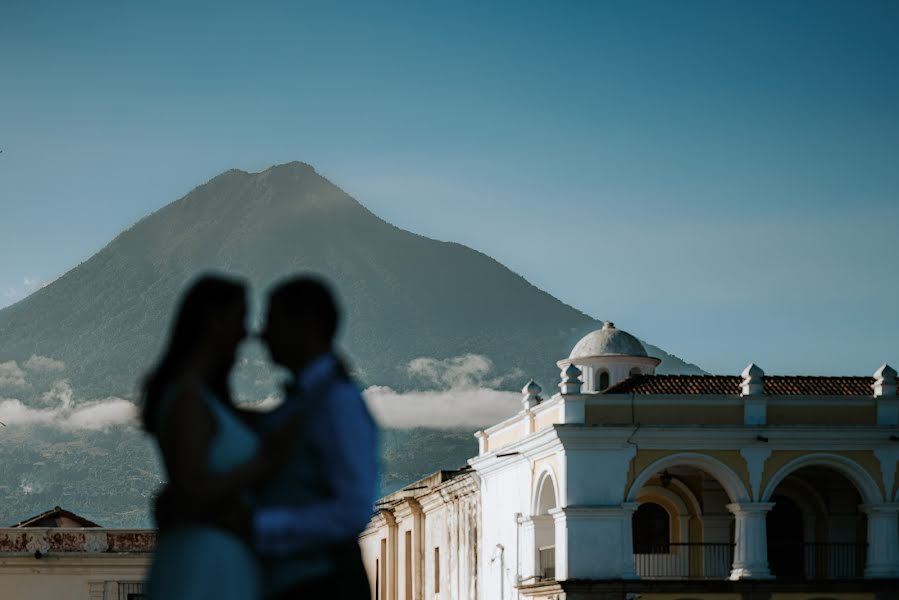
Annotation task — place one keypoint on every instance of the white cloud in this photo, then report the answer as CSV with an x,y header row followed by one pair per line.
x,y
466,371
44,364
461,407
62,412
11,375
466,395
102,414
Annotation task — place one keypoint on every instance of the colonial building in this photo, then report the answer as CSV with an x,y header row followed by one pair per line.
x,y
58,554
628,484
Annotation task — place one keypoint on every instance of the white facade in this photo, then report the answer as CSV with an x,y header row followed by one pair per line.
x,y
661,479
73,563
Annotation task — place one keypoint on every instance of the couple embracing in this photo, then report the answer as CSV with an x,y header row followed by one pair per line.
x,y
259,504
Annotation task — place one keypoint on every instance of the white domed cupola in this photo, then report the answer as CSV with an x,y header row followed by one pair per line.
x,y
608,356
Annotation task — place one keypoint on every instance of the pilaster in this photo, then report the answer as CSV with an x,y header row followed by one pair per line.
x,y
584,533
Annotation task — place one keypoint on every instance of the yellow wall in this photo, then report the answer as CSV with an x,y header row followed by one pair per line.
x,y
793,414
504,438
546,419
865,459
665,414
731,458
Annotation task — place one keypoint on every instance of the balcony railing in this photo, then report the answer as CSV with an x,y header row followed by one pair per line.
x,y
548,562
839,560
814,561
684,561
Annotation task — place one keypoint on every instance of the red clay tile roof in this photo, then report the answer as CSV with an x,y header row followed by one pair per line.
x,y
775,385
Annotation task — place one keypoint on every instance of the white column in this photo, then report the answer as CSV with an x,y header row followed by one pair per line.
x,y
750,540
628,567
527,560
883,540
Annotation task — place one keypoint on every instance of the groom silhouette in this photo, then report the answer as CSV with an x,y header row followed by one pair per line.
x,y
307,518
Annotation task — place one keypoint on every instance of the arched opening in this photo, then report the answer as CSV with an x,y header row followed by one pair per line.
x,y
635,371
602,381
785,539
651,529
816,530
545,528
694,491
546,498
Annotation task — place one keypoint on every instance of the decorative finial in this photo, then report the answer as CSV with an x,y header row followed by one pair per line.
x,y
753,383
608,325
571,380
530,394
884,381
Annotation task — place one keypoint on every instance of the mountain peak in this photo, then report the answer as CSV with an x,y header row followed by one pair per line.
x,y
294,167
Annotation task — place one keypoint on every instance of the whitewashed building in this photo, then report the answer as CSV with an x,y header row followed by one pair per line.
x,y
58,554
628,484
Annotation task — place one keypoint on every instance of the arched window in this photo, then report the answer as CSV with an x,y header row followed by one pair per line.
x,y
603,382
635,371
651,526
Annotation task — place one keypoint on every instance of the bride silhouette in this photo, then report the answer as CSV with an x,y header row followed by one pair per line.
x,y
211,456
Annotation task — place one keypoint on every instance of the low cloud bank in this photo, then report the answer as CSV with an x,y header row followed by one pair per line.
x,y
44,364
457,392
62,412
466,371
12,375
466,396
471,407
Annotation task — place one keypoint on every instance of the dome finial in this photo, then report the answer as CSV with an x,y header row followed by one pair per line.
x,y
530,394
885,381
753,383
571,380
608,325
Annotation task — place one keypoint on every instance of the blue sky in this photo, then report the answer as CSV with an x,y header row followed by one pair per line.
x,y
719,178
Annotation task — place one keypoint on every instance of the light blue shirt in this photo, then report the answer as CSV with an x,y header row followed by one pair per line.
x,y
342,430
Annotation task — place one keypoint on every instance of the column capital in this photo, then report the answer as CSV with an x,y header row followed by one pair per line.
x,y
593,513
749,508
630,507
387,515
883,508
406,508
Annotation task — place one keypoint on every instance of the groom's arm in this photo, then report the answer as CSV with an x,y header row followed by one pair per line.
x,y
352,471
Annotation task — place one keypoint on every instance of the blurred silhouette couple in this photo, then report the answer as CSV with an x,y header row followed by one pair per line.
x,y
258,504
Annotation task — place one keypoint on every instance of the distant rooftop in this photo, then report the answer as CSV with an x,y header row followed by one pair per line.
x,y
56,517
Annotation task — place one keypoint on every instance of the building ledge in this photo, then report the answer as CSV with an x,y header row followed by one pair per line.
x,y
611,588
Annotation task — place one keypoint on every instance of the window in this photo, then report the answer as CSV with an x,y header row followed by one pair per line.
x,y
635,371
436,570
651,527
603,381
408,565
377,579
382,588
131,590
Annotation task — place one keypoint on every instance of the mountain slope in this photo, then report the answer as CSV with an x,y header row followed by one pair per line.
x,y
405,295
